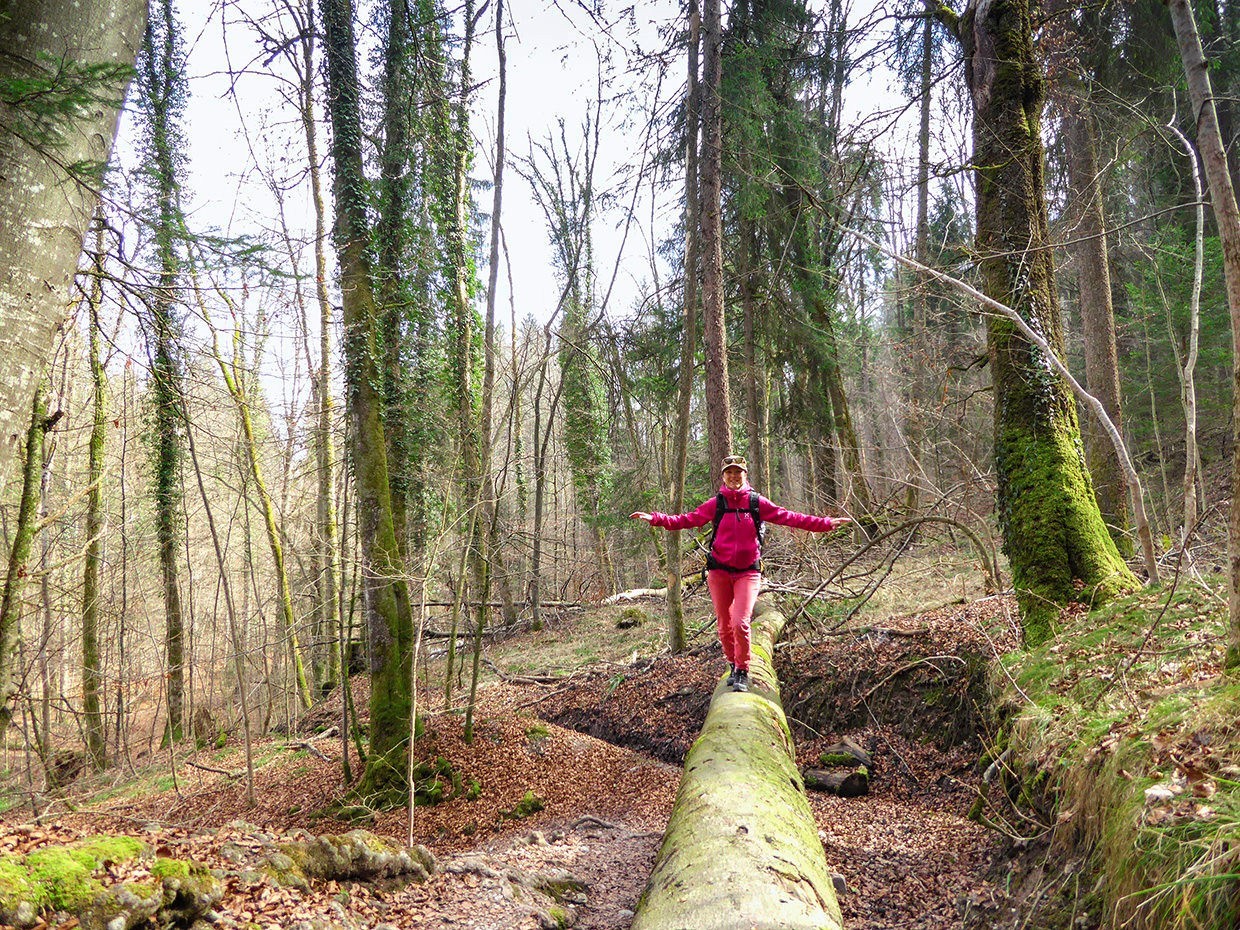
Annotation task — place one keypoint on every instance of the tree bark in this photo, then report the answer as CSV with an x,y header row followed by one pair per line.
x,y
163,90
1098,319
389,619
498,573
1227,215
688,344
45,207
324,440
96,744
718,402
921,348
19,553
1053,532
741,848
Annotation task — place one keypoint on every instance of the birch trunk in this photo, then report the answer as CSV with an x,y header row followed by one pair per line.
x,y
44,209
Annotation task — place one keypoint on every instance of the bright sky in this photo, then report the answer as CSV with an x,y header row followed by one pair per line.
x,y
552,67
552,72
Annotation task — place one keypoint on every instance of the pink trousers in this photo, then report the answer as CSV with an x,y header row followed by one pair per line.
x,y
734,594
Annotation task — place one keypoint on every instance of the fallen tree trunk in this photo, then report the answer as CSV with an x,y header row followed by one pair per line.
x,y
741,849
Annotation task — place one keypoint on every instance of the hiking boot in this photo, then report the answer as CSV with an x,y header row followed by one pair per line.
x,y
740,682
731,675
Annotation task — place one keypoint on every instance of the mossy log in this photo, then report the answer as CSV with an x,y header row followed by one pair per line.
x,y
741,849
847,784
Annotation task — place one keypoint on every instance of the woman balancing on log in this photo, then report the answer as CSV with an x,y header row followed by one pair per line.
x,y
733,566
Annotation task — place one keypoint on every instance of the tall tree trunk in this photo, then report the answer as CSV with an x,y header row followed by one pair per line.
x,y
96,744
688,346
747,258
1053,532
1098,319
327,553
718,402
1227,215
392,291
163,91
489,498
45,206
921,349
19,554
389,619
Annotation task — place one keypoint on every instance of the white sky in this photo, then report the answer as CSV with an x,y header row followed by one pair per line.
x,y
551,73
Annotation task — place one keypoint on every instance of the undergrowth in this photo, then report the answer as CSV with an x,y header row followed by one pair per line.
x,y
1129,750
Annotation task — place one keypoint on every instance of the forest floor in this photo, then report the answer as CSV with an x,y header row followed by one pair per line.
x,y
599,748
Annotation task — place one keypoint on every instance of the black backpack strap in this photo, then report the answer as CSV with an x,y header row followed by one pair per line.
x,y
754,512
721,507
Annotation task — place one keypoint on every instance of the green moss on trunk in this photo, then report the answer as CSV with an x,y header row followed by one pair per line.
x,y
741,848
1053,532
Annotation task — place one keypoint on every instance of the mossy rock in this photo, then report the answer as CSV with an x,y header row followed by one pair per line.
x,y
64,878
837,758
60,877
354,856
631,617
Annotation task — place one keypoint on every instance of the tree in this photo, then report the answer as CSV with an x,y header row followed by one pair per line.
x,y
688,335
19,553
1053,531
162,90
92,673
389,618
1227,215
718,402
1097,315
759,843
62,79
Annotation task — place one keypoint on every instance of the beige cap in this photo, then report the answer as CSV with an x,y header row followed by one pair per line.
x,y
734,461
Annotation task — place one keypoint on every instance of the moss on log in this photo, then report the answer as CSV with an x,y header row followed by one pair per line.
x,y
741,849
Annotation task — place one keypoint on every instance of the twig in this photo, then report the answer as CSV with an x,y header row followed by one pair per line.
x,y
209,768
308,747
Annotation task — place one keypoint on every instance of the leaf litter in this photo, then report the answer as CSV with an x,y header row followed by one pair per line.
x,y
907,853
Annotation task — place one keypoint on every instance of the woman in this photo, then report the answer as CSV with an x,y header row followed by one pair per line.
x,y
733,569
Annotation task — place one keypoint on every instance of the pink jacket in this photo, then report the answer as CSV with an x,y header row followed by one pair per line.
x,y
736,543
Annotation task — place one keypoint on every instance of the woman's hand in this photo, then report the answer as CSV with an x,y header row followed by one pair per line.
x,y
641,515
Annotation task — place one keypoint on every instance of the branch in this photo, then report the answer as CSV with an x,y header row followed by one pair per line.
x,y
1095,405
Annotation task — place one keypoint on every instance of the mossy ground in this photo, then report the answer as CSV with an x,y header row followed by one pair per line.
x,y
1126,743
62,878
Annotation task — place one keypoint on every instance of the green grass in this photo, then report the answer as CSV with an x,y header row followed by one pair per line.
x,y
1099,722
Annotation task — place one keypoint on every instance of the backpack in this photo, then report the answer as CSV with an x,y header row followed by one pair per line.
x,y
721,507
